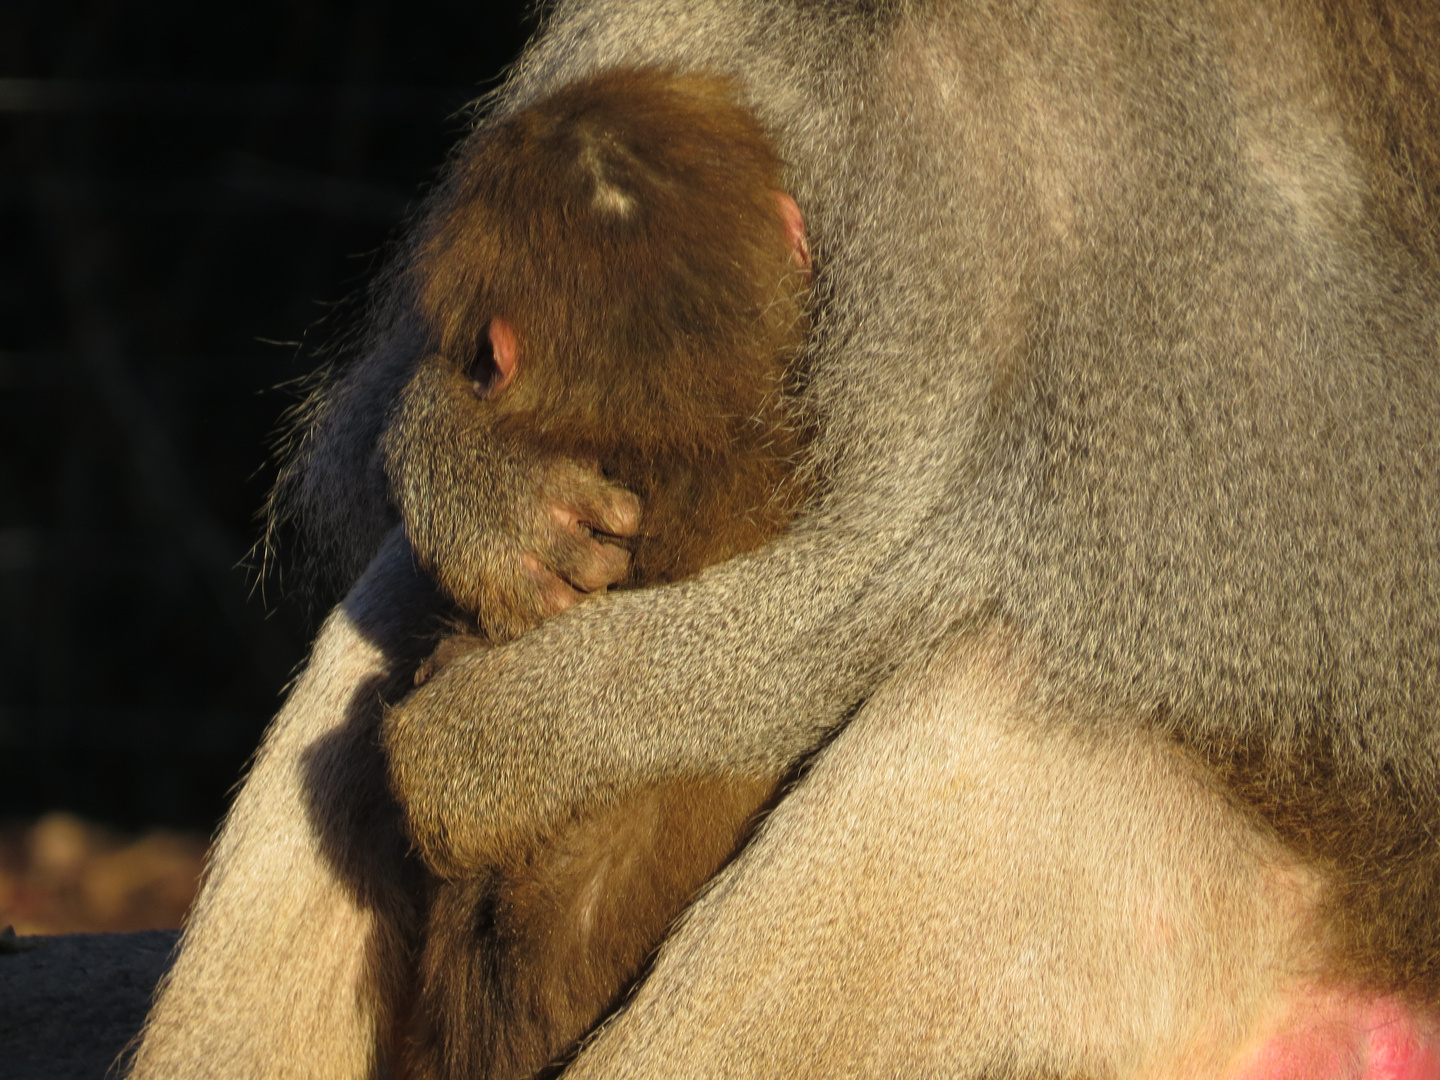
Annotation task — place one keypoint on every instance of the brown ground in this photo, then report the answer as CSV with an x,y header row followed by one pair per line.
x,y
62,875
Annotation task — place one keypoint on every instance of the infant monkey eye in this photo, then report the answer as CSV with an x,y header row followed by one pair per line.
x,y
484,372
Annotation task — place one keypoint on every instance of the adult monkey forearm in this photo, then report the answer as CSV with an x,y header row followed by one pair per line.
x,y
305,908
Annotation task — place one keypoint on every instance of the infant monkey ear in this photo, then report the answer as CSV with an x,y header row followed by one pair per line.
x,y
494,367
794,229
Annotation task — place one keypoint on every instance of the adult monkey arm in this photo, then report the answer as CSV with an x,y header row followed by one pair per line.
x,y
306,889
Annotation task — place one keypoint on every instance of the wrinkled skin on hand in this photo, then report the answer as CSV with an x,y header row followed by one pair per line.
x,y
559,550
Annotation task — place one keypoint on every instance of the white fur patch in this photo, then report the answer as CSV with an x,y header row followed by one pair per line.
x,y
611,200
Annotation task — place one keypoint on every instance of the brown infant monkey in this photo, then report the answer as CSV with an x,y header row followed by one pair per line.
x,y
615,286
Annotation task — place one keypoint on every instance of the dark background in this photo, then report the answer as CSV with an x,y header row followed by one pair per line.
x,y
188,194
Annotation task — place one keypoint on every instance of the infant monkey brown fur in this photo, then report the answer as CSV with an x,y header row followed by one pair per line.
x,y
614,286
610,276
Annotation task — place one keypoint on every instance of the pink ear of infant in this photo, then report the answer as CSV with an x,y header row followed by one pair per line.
x,y
505,349
794,229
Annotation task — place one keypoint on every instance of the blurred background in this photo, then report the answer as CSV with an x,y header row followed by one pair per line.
x,y
191,198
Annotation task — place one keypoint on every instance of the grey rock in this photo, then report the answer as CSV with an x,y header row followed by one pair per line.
x,y
70,1004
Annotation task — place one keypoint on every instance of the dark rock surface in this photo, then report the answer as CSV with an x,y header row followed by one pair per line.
x,y
69,1004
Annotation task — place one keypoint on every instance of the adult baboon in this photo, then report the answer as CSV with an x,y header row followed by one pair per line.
x,y
1125,576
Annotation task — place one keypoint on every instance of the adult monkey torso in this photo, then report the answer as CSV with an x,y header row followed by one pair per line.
x,y
1126,370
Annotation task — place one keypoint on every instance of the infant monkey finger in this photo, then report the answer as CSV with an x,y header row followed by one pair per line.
x,y
550,591
581,493
589,563
616,512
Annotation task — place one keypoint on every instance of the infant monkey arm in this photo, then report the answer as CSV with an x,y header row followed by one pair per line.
x,y
538,530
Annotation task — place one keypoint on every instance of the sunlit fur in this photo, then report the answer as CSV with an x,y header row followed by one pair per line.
x,y
627,228
519,962
1124,368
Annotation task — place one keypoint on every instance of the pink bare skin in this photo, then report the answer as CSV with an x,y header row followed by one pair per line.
x,y
505,349
1326,1034
794,229
578,551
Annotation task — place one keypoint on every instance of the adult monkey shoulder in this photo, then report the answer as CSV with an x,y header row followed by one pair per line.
x,y
1128,343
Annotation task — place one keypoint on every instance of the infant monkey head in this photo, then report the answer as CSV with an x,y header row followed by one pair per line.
x,y
619,266
615,277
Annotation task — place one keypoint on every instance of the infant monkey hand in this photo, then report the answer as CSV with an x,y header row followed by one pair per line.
x,y
538,534
446,652
577,526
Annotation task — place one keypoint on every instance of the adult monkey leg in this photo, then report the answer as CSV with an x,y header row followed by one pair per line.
x,y
295,953
963,888
1015,851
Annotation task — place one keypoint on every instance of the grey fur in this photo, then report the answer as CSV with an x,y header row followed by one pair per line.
x,y
1135,406
1115,357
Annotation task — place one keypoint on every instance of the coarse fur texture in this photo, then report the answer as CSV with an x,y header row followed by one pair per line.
x,y
607,277
520,962
1123,369
626,231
